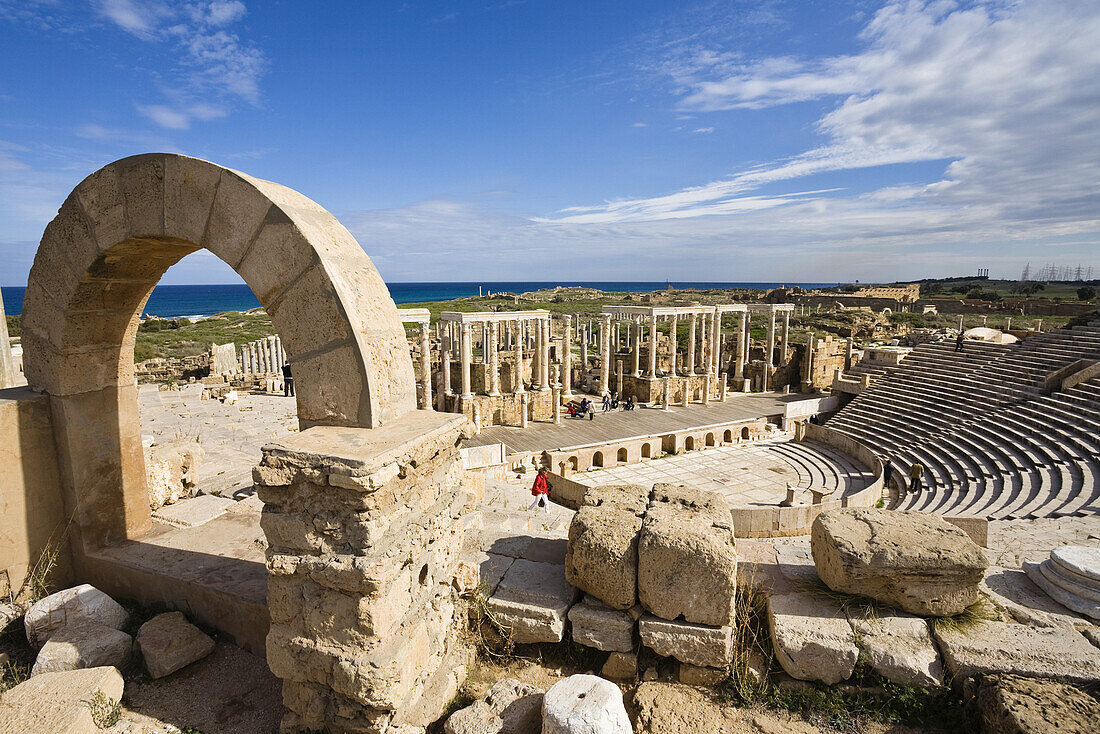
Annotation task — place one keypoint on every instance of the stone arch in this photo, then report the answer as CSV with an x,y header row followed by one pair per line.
x,y
689,443
114,237
709,440
746,434
597,458
622,456
573,463
727,437
647,451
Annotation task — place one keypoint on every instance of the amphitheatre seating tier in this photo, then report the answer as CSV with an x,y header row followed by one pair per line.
x,y
994,440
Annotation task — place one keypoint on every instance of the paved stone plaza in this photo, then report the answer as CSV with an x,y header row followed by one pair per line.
x,y
747,474
230,434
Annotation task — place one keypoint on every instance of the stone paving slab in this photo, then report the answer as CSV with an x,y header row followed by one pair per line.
x,y
194,511
1001,647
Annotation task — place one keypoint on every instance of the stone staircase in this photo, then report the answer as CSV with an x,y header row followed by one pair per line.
x,y
993,441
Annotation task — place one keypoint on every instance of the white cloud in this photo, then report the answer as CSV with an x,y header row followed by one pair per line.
x,y
166,116
703,130
1002,94
215,67
639,124
139,19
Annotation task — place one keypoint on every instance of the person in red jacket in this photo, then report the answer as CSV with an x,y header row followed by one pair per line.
x,y
541,489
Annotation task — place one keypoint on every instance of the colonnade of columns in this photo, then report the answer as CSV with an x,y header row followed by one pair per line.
x,y
518,331
262,357
705,338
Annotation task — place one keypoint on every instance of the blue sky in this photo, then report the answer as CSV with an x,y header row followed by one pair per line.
x,y
543,139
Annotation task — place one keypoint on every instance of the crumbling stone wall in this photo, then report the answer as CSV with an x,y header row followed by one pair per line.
x,y
364,532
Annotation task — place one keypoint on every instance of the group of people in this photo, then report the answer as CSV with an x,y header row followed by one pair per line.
x,y
916,474
611,402
587,408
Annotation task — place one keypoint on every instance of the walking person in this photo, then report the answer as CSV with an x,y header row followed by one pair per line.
x,y
606,403
887,471
541,490
288,381
591,411
916,472
959,342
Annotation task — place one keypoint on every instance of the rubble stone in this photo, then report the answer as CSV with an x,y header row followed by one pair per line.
x,y
584,704
899,648
74,606
1016,705
1001,647
597,625
620,666
695,644
510,707
812,638
86,645
532,600
917,562
602,558
687,564
695,675
58,703
168,642
170,470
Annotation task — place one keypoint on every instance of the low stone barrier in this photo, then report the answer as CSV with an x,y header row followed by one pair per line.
x,y
770,522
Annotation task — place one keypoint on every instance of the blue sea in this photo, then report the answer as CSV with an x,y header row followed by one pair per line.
x,y
173,301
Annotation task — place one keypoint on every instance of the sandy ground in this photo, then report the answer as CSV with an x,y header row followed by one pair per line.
x,y
229,692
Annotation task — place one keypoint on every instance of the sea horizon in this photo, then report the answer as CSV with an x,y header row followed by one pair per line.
x,y
203,300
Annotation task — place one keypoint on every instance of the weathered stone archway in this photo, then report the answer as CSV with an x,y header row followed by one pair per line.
x,y
112,240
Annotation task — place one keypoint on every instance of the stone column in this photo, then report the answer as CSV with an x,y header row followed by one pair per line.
x,y
523,410
518,379
652,372
584,352
692,326
619,378
556,400
748,336
686,397
786,336
770,357
739,352
716,343
446,345
636,345
365,617
567,358
807,368
849,349
425,367
273,352
665,400
494,360
722,387
544,354
605,349
706,388
675,344
465,349
704,358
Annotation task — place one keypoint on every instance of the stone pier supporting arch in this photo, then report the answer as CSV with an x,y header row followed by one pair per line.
x,y
115,236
